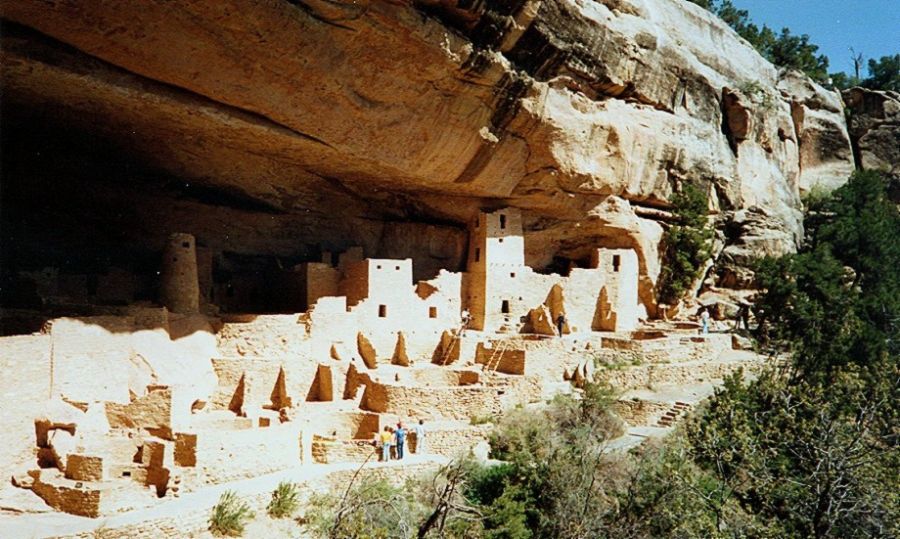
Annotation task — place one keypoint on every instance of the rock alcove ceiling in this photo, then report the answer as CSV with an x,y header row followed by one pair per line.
x,y
274,131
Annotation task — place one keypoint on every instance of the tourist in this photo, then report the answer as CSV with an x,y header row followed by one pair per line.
x,y
560,322
420,437
376,441
386,437
704,319
466,318
743,316
400,440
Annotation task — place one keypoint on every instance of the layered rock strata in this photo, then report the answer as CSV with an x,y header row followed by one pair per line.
x,y
585,114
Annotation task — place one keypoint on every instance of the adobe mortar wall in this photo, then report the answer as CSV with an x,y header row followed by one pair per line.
x,y
22,396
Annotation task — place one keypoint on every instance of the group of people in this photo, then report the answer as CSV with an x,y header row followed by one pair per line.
x,y
742,318
392,441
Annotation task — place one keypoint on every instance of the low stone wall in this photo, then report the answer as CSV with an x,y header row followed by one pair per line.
x,y
227,455
673,348
649,376
638,412
77,499
447,442
453,442
270,335
330,450
193,520
432,402
505,360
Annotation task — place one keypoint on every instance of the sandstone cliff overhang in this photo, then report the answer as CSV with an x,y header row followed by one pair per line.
x,y
343,118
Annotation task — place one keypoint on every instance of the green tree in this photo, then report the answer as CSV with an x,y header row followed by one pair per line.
x,y
812,449
687,244
806,459
557,468
838,302
884,73
843,81
795,52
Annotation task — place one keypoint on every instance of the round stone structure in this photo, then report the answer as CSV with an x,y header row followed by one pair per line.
x,y
180,288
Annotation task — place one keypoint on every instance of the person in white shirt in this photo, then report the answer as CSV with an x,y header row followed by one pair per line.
x,y
466,318
420,437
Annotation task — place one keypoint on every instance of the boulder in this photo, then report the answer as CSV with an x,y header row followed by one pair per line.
x,y
875,128
819,127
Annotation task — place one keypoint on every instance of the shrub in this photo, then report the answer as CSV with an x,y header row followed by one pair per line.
x,y
285,500
229,515
482,419
688,244
372,508
757,94
486,482
555,480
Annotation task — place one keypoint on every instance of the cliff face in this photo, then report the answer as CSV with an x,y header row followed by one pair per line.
x,y
875,128
342,117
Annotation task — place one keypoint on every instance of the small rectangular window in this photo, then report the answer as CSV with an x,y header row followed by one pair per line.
x,y
477,254
501,240
397,268
502,221
378,266
432,312
616,262
504,307
382,311
513,275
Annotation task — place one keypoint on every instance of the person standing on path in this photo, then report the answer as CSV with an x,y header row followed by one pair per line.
x,y
400,440
704,320
420,437
376,441
743,316
560,322
386,438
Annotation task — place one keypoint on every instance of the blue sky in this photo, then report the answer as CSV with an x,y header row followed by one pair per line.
x,y
871,27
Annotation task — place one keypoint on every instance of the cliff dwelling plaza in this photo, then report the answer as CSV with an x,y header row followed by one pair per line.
x,y
155,402
242,239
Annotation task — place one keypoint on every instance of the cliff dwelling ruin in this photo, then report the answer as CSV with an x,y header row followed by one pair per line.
x,y
152,399
240,240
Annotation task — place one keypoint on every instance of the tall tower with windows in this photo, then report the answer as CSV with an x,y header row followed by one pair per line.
x,y
495,265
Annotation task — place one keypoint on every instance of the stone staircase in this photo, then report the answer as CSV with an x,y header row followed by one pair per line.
x,y
673,414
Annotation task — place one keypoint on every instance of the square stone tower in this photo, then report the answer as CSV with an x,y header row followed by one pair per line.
x,y
619,308
496,266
